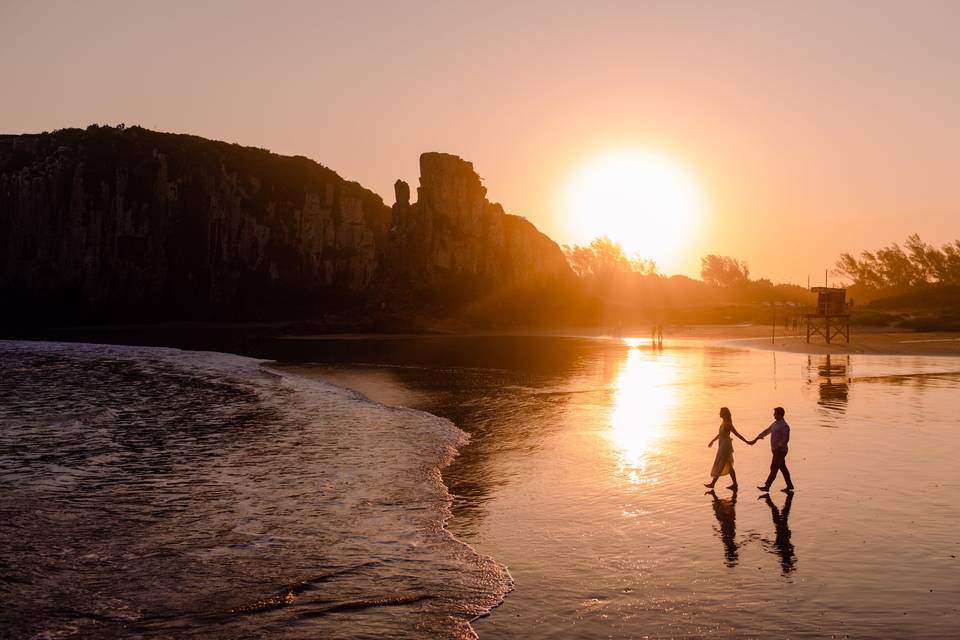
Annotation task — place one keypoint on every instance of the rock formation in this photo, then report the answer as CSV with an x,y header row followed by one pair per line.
x,y
453,230
112,224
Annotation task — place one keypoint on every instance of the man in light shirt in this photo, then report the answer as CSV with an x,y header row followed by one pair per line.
x,y
779,433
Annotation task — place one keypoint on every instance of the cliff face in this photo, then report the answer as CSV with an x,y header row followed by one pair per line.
x,y
453,231
115,224
132,223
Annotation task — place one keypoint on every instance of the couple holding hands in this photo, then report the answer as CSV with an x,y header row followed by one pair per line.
x,y
779,432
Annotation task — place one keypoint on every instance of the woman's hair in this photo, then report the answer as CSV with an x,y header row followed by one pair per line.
x,y
725,413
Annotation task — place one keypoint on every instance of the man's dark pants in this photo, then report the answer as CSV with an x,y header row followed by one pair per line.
x,y
779,463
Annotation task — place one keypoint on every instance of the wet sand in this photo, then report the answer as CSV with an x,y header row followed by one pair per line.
x,y
584,469
862,341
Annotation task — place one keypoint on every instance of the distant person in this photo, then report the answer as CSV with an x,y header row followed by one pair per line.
x,y
656,335
779,432
723,463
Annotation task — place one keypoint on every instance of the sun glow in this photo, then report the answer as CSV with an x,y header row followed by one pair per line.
x,y
647,203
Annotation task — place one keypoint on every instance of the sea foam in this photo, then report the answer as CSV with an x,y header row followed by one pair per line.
x,y
152,492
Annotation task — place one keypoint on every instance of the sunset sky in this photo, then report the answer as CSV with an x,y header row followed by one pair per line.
x,y
809,129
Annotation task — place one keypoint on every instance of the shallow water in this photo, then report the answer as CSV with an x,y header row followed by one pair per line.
x,y
160,493
585,468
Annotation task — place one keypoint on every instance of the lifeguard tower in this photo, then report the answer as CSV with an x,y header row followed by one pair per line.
x,y
832,317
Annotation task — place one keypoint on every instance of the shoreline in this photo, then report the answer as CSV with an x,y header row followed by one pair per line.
x,y
862,342
391,400
738,337
259,340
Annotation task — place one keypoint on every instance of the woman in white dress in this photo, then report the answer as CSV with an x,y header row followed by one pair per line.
x,y
723,463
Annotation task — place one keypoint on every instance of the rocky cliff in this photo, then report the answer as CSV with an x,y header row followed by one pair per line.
x,y
132,224
453,233
117,224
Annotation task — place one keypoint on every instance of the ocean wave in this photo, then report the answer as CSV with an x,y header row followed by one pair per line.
x,y
151,492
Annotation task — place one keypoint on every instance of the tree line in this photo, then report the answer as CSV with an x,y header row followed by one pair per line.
x,y
630,288
915,263
603,258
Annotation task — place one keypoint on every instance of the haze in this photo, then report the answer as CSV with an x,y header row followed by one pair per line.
x,y
810,129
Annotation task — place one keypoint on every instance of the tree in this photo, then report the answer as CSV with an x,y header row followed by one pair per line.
x,y
950,267
917,263
723,271
644,266
604,257
896,267
863,271
927,261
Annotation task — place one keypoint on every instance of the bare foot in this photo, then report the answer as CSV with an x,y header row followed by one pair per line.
x,y
787,490
733,486
708,486
764,489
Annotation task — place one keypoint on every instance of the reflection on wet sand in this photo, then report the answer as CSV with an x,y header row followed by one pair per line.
x,y
506,391
834,379
725,509
642,403
782,545
584,456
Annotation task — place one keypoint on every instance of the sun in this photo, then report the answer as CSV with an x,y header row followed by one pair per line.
x,y
644,201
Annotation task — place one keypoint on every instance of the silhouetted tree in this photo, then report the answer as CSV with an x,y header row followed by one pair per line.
x,y
644,266
926,260
862,272
893,267
723,271
604,257
951,263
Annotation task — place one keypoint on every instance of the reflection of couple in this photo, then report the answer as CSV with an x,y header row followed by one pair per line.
x,y
779,432
725,511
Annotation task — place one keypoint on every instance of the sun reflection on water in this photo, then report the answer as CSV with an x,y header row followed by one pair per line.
x,y
643,400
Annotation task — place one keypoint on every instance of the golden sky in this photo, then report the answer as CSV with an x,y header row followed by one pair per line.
x,y
811,128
